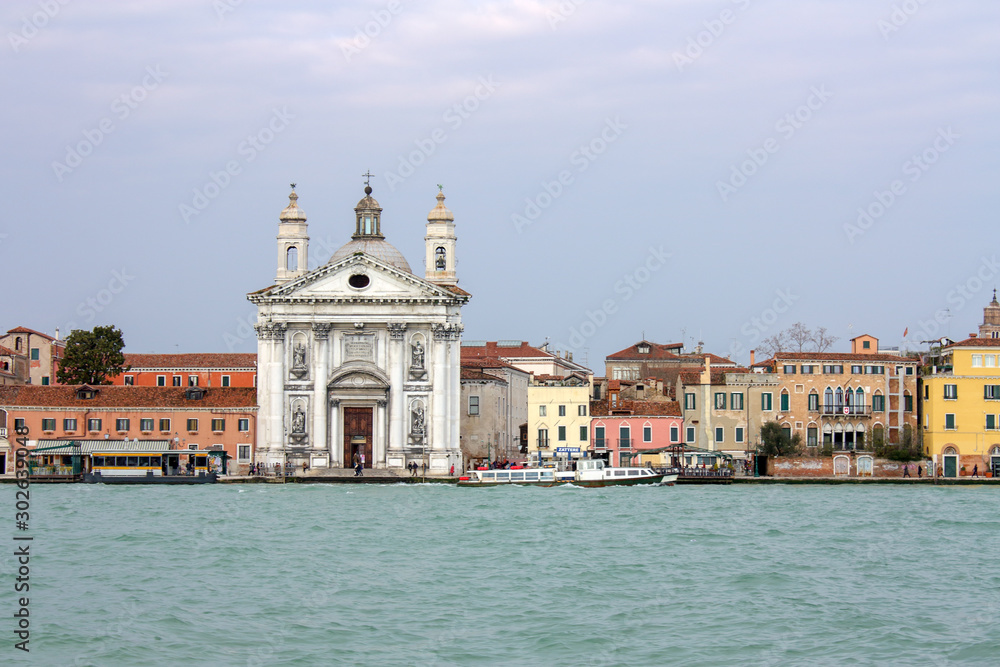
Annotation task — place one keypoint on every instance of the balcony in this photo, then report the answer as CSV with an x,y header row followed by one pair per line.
x,y
543,444
625,443
600,444
3,432
846,411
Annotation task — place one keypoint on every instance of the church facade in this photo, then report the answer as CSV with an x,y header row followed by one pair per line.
x,y
359,359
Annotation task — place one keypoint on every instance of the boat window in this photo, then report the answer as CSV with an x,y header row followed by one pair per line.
x,y
133,461
489,475
531,476
517,477
548,475
154,461
143,461
619,473
503,475
98,460
632,473
120,462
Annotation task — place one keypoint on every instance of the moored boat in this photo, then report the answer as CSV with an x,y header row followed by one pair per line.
x,y
588,473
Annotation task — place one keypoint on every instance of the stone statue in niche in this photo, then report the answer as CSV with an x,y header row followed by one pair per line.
x,y
418,421
299,368
417,370
299,420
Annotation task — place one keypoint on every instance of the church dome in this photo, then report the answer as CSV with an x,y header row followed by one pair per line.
x,y
377,248
292,212
440,213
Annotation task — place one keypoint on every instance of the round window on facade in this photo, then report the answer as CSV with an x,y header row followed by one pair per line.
x,y
358,281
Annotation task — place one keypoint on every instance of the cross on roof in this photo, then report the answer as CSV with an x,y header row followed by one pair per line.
x,y
368,174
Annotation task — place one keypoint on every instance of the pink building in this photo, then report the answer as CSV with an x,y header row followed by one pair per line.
x,y
622,429
207,369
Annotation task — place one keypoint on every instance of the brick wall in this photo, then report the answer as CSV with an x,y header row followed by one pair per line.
x,y
822,466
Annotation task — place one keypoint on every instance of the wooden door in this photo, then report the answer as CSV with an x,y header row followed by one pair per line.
x,y
358,435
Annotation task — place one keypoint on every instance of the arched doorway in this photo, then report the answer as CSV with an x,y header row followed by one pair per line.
x,y
950,462
995,460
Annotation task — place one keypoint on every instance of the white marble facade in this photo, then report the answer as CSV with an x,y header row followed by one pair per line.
x,y
359,356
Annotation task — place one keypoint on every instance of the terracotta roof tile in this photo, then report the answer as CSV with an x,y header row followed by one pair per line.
x,y
474,374
637,408
26,330
9,352
838,356
656,351
111,396
246,360
494,350
976,342
718,375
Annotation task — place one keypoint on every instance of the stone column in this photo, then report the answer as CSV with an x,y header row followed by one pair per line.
x,y
380,433
320,360
397,366
439,390
270,391
336,440
455,391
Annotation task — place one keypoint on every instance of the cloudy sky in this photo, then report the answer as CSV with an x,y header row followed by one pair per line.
x,y
688,170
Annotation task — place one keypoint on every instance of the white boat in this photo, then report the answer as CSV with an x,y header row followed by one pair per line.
x,y
589,472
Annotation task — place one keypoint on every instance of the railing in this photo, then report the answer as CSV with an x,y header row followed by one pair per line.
x,y
600,443
3,432
842,410
543,444
624,443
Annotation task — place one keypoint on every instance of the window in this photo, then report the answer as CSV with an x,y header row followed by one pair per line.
x,y
543,438
647,434
720,434
991,392
243,424
45,380
48,424
541,410
789,369
562,434
814,402
787,430
192,380
93,424
146,425
177,380
225,380
765,401
874,370
581,410
951,392
690,434
192,424
878,403
624,437
18,424
927,392
720,400
243,452
739,434
833,369
949,422
34,354
473,405
977,361
812,439
736,401
583,434
129,380
161,380
69,425
218,425
121,425
164,424
562,410
857,370
991,422
675,434
689,401
866,344
599,436
991,359
909,370
784,401
807,369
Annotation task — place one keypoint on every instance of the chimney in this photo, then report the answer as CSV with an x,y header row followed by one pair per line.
x,y
57,333
706,374
751,357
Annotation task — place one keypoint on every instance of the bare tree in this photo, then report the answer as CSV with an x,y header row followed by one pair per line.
x,y
796,338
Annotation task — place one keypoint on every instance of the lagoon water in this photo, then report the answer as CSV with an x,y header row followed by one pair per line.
x,y
431,574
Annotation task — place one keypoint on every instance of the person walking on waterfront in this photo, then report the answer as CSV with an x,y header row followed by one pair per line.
x,y
920,472
975,470
423,467
906,470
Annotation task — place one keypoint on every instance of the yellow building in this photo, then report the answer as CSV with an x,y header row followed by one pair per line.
x,y
961,405
558,417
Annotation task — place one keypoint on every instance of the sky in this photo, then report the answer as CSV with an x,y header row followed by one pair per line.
x,y
679,171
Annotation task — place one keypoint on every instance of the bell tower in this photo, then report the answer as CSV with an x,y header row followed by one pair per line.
x,y
293,241
991,319
440,261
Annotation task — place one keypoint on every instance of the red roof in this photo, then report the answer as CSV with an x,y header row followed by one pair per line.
x,y
718,376
8,351
839,356
636,408
656,351
26,330
111,396
486,362
474,374
495,350
976,342
246,360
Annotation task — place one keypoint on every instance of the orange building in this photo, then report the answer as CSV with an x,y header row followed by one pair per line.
x,y
43,353
190,417
232,369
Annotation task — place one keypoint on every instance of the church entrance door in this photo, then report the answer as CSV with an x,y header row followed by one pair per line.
x,y
358,435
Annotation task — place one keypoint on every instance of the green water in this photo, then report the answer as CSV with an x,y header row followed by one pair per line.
x,y
428,574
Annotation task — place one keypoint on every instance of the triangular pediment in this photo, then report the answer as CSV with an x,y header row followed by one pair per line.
x,y
358,277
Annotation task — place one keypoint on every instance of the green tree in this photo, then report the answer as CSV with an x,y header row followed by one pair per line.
x,y
775,442
92,357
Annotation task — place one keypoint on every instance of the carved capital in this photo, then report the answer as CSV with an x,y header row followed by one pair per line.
x,y
447,331
382,402
321,330
270,330
396,330
334,402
